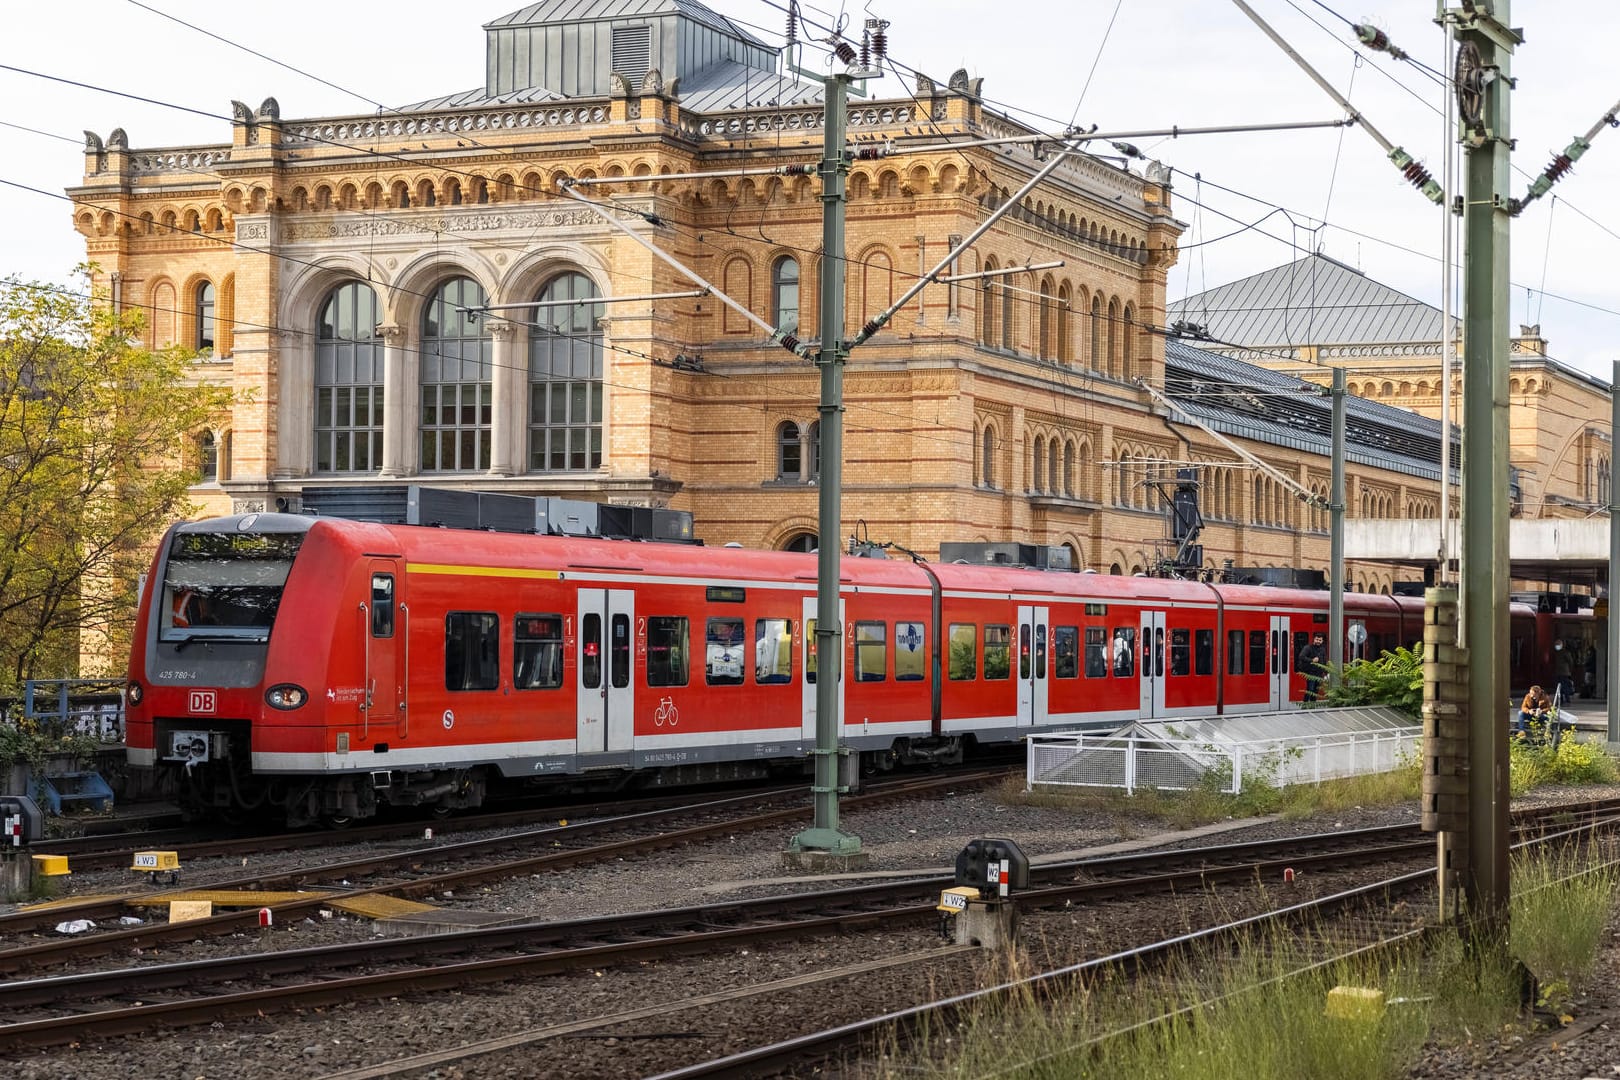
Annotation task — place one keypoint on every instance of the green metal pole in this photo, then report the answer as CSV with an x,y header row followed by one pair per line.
x,y
1611,680
825,834
1485,567
1336,532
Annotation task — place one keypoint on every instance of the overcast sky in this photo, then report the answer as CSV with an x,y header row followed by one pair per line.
x,y
1161,63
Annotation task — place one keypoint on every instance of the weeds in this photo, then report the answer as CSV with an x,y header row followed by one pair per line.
x,y
1243,1014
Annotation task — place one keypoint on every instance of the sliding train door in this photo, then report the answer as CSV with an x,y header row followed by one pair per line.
x,y
606,718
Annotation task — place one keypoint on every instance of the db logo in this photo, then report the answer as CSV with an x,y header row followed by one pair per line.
x,y
202,701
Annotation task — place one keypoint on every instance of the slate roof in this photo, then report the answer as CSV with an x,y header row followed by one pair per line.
x,y
730,85
557,11
476,97
1245,401
1311,301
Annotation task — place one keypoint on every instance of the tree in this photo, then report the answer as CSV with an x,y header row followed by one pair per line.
x,y
93,436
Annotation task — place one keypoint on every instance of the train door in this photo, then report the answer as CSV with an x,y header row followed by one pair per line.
x,y
1034,628
603,684
807,727
384,616
1152,660
1279,661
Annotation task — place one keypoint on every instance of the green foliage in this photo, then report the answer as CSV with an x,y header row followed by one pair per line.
x,y
1532,765
27,742
1394,679
1255,1011
93,433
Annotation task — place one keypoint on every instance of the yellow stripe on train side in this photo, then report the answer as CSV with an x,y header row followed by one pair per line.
x,y
449,570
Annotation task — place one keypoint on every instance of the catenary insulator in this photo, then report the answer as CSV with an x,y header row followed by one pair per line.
x,y
1560,165
1417,175
845,52
792,34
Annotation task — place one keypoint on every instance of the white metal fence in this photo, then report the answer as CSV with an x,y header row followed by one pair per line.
x,y
1138,761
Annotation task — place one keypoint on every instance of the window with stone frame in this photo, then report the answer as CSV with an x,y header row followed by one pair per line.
x,y
348,382
789,451
456,364
204,330
785,293
565,377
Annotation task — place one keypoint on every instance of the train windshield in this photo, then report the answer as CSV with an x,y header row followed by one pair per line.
x,y
224,585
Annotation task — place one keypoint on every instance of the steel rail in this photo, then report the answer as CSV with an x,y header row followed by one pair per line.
x,y
763,1060
49,953
695,933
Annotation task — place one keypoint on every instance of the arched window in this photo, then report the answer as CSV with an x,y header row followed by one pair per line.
x,y
348,382
789,451
1068,470
1037,466
1009,321
208,457
1046,329
1065,301
205,317
815,450
988,456
803,542
565,379
989,325
456,357
1127,360
1099,361
785,293
1055,470
1113,340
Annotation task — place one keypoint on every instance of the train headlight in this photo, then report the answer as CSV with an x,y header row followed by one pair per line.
x,y
286,696
134,692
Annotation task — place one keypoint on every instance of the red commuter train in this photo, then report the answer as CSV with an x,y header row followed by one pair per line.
x,y
321,667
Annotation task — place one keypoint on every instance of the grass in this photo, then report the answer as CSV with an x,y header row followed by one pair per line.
x,y
1258,1021
1206,804
1571,764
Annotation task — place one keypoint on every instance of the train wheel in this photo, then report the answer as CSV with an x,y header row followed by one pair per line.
x,y
337,822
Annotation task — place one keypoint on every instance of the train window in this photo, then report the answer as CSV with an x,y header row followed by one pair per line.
x,y
1066,652
382,605
1157,659
773,651
809,650
1023,651
997,652
590,651
619,659
1300,640
1180,652
1124,651
472,657
1234,652
964,651
871,651
1257,652
910,652
725,652
667,650
537,652
1096,652
1203,652
1040,650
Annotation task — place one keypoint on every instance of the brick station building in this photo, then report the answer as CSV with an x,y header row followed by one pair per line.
x,y
320,267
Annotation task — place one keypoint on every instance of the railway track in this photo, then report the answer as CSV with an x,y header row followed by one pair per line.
x,y
586,842
307,978
1366,919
